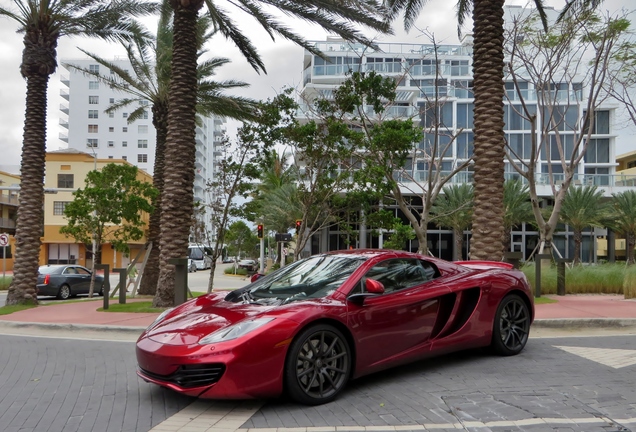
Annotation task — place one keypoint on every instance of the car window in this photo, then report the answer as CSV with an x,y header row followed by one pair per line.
x,y
398,274
82,271
44,270
70,270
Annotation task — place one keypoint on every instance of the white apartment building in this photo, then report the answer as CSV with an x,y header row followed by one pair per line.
x,y
88,128
419,75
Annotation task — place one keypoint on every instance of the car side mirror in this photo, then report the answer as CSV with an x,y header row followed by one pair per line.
x,y
373,286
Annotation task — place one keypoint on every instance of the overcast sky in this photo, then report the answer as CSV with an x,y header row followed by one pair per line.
x,y
283,61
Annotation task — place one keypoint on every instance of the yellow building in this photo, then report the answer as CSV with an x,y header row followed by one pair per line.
x,y
8,213
66,171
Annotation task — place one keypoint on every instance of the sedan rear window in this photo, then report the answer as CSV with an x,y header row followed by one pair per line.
x,y
48,270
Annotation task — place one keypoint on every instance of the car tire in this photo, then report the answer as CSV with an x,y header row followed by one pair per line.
x,y
318,365
101,291
511,327
64,292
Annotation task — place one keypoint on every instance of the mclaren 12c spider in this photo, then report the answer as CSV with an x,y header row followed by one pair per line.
x,y
310,327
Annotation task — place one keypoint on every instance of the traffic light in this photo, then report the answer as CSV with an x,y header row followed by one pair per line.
x,y
298,225
259,231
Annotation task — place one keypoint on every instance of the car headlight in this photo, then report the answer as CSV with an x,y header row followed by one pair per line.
x,y
234,331
160,318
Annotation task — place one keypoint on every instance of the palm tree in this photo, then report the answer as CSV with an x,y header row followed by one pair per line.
x,y
43,23
454,209
583,207
488,63
517,207
177,204
624,220
149,81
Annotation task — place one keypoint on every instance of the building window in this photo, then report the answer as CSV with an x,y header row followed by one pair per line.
x,y
125,158
124,129
124,143
92,142
111,143
111,115
601,123
93,68
125,115
93,85
93,128
597,151
142,129
111,100
111,129
142,143
93,114
110,157
93,100
143,102
65,181
145,115
59,206
142,158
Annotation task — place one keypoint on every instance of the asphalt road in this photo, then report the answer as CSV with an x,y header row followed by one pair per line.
x,y
54,384
197,281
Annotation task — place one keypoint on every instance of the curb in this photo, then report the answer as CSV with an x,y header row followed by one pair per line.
x,y
578,323
72,327
558,323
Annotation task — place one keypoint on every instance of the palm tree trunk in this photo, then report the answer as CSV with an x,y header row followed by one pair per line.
x,y
630,241
578,238
177,200
488,232
148,285
459,245
30,222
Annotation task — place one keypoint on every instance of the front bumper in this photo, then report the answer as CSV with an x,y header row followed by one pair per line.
x,y
245,368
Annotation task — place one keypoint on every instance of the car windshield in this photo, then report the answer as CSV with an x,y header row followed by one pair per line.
x,y
195,253
310,278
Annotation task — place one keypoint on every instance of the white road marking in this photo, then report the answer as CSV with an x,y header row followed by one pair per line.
x,y
205,416
616,358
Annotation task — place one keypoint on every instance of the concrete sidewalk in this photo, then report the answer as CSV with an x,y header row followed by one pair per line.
x,y
570,311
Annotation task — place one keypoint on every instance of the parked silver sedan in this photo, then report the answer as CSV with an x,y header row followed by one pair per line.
x,y
66,280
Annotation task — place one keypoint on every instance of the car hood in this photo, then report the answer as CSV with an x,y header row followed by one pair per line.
x,y
188,323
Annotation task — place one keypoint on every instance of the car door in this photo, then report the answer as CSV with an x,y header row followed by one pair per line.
x,y
84,280
397,324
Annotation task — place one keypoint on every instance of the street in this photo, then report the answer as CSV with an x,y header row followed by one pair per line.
x,y
575,384
197,281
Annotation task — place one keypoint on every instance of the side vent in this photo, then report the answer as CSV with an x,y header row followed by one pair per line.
x,y
464,306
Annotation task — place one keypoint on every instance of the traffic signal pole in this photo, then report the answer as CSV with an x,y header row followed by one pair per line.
x,y
261,268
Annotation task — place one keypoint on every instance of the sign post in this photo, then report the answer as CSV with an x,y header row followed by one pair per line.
x,y
4,242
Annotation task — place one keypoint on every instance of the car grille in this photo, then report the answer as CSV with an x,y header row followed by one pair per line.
x,y
189,376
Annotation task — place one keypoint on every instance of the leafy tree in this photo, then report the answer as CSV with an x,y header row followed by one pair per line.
x,y
400,236
109,209
240,239
623,220
43,23
234,179
583,207
149,80
581,47
488,66
517,207
454,209
333,15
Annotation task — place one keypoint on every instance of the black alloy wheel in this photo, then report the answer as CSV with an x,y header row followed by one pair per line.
x,y
64,293
511,327
318,365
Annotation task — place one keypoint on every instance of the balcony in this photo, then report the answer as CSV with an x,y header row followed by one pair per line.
x,y
65,94
11,200
63,137
64,108
64,123
65,80
7,223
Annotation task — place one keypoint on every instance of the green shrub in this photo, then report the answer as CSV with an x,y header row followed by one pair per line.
x,y
4,282
587,279
239,271
629,283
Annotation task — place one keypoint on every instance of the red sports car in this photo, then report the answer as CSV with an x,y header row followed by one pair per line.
x,y
313,325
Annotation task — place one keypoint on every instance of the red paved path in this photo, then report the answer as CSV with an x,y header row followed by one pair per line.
x,y
85,312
